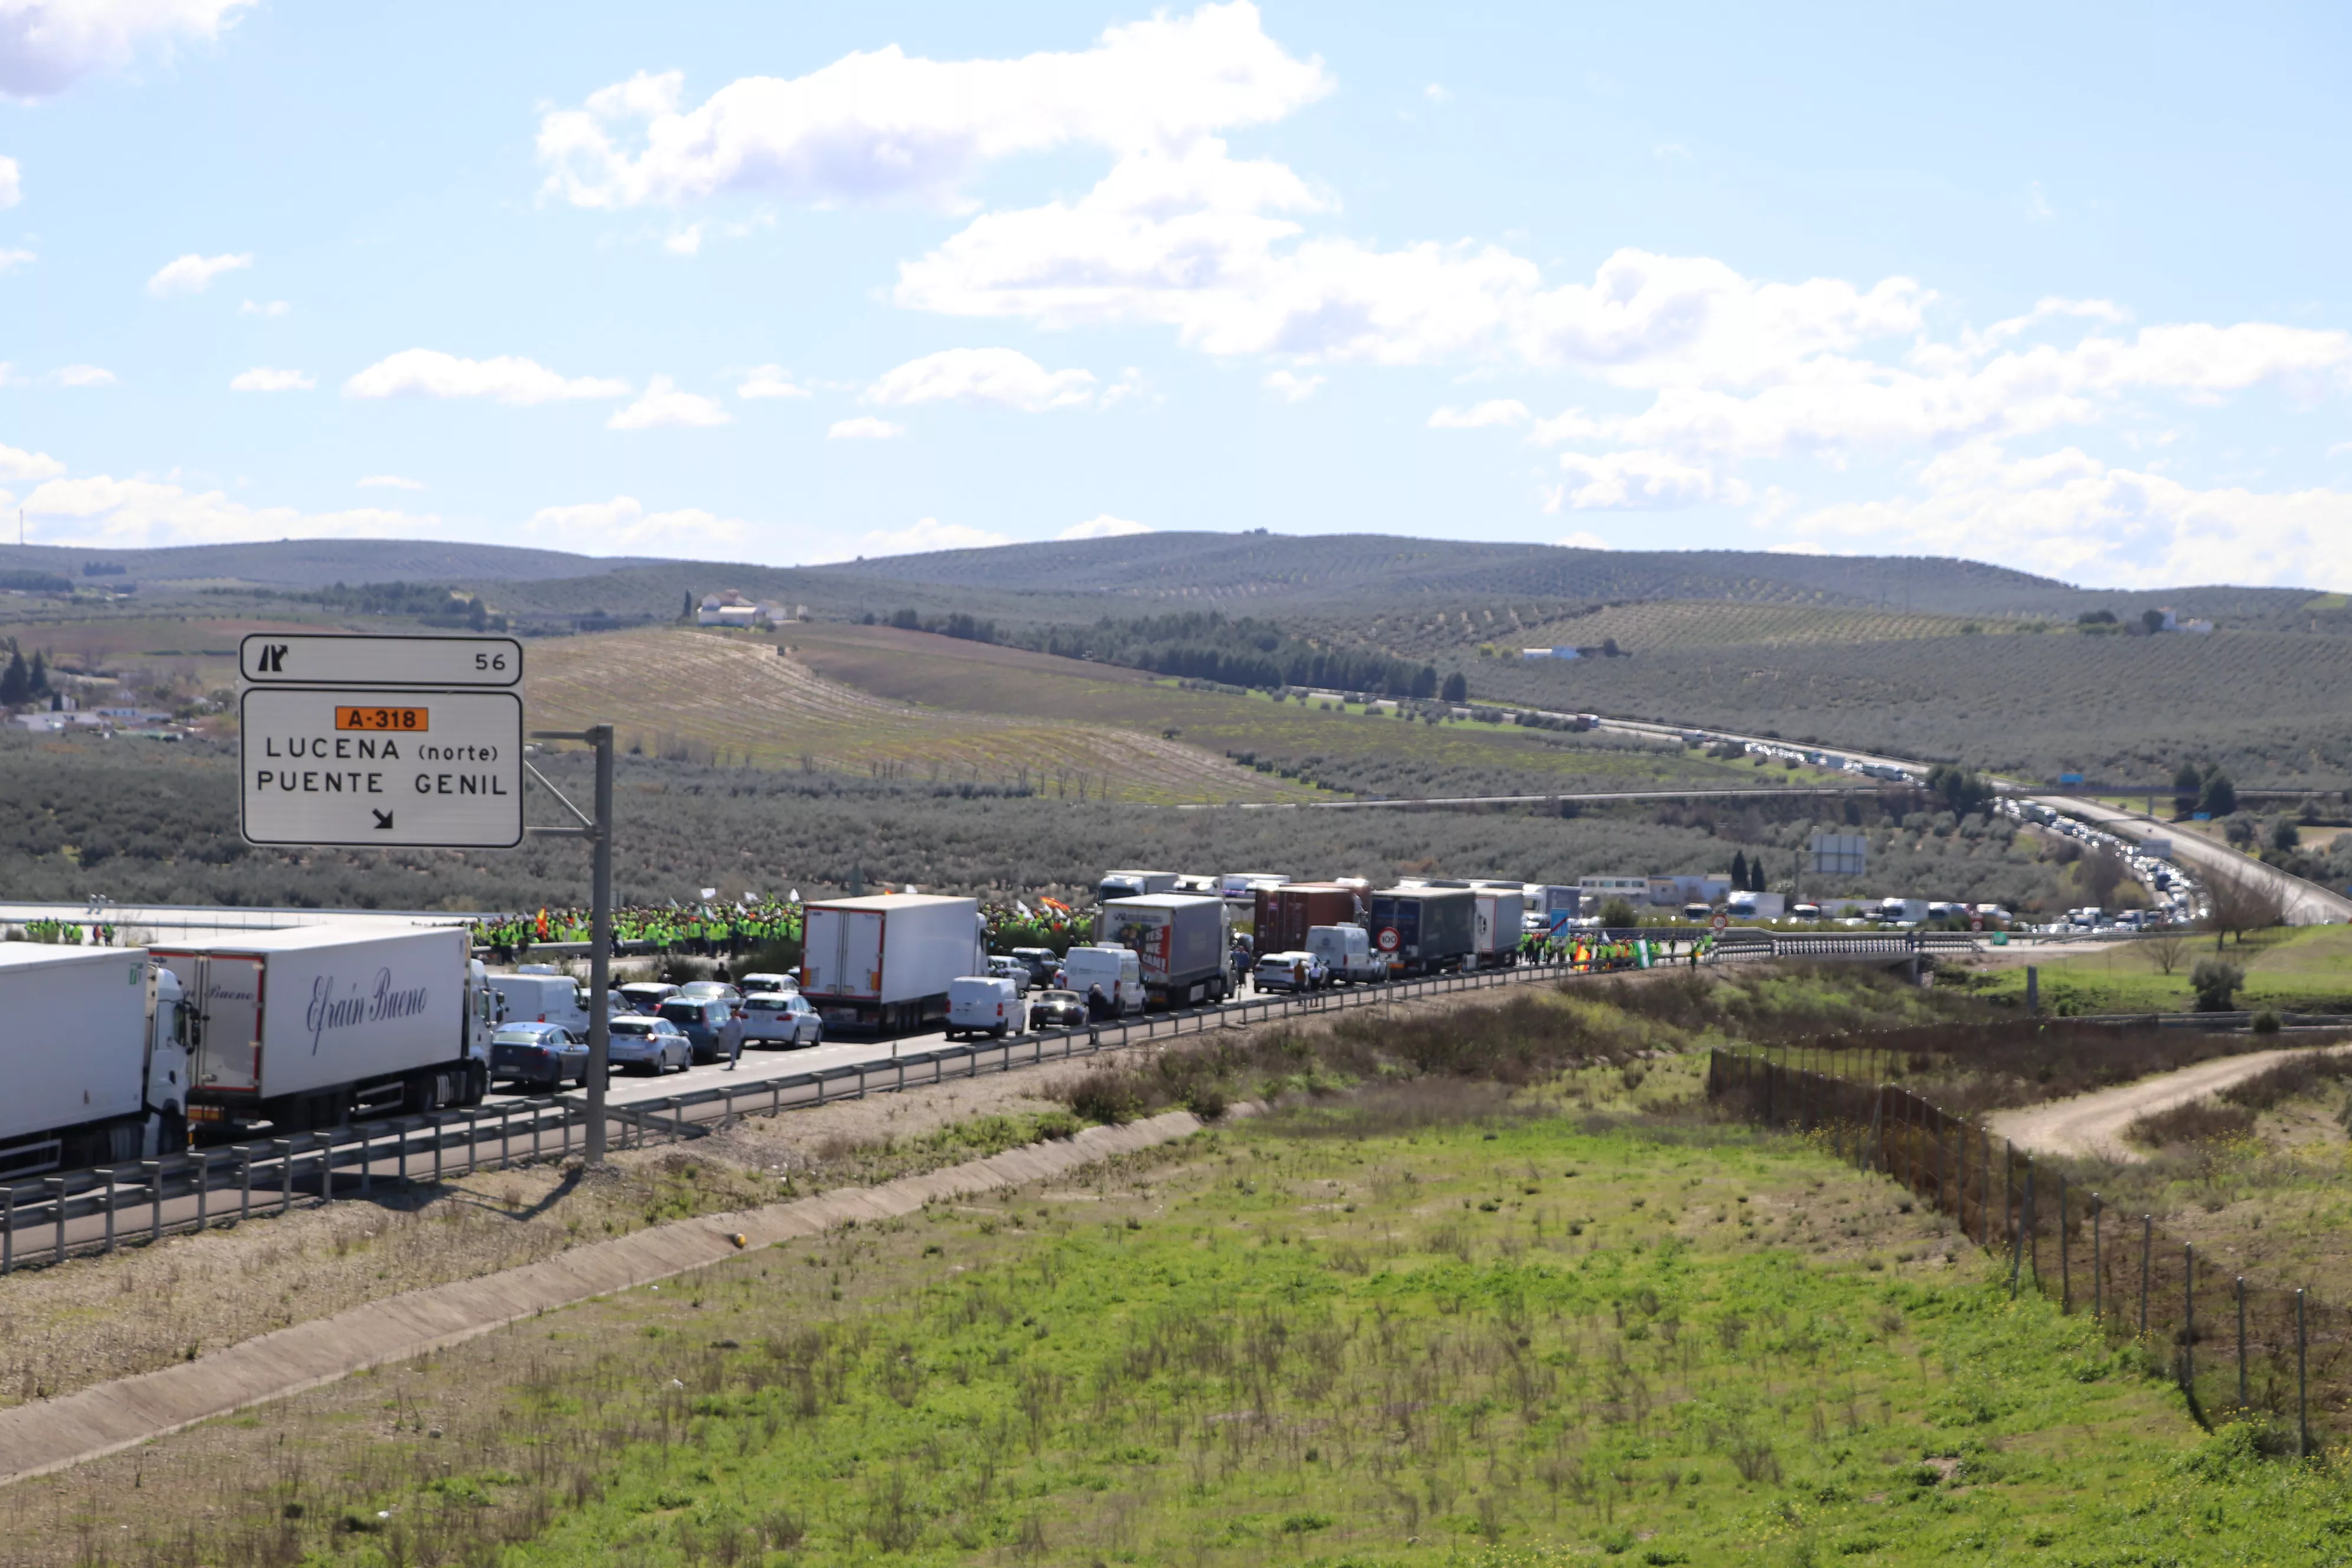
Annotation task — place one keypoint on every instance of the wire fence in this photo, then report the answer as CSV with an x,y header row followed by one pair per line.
x,y
2239,1351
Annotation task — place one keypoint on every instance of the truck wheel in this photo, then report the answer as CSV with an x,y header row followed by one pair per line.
x,y
477,1082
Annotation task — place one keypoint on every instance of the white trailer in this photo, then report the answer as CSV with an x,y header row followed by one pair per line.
x,y
1183,941
310,1027
1498,927
885,963
1134,884
92,1057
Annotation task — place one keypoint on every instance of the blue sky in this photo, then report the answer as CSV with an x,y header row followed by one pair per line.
x,y
792,283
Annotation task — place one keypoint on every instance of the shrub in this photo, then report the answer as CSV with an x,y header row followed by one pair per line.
x,y
2266,1022
2198,1122
1108,1097
2216,981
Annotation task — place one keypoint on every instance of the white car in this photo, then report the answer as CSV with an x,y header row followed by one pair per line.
x,y
1294,971
1011,968
752,984
780,1019
655,1045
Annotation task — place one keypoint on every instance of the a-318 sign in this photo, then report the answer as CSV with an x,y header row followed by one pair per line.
x,y
384,757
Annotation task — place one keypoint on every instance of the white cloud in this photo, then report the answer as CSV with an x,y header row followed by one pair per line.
x,y
1500,413
193,274
623,525
12,184
663,404
864,427
1104,527
1003,378
21,465
390,483
770,380
428,372
15,258
48,45
136,513
1582,541
687,241
261,378
1292,388
2037,204
1436,93
882,125
273,307
1671,152
930,535
82,376
2075,517
1639,481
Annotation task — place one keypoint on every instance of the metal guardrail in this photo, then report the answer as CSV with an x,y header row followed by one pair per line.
x,y
98,1209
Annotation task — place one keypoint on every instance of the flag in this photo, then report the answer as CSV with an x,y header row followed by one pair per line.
x,y
1055,904
543,922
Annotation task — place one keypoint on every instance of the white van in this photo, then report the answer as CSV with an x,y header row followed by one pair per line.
x,y
1116,969
547,999
983,1005
1346,951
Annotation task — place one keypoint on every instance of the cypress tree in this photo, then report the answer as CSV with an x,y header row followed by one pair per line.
x,y
16,683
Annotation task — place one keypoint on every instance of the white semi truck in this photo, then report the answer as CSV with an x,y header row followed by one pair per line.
x,y
1183,942
884,962
308,1028
94,1054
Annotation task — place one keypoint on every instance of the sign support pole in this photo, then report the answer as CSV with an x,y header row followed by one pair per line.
x,y
598,831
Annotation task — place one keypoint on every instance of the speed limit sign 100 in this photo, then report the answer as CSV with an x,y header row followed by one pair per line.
x,y
1388,940
1721,920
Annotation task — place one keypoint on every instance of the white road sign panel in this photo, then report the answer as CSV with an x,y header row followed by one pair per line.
x,y
272,658
378,768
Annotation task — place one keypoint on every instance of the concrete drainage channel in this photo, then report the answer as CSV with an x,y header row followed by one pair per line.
x,y
95,1211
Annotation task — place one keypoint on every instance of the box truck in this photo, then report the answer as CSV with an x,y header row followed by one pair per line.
x,y
884,962
1133,884
93,1046
308,1027
1284,915
1183,942
1424,931
1496,928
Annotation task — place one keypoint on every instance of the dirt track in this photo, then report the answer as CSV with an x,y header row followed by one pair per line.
x,y
2093,1124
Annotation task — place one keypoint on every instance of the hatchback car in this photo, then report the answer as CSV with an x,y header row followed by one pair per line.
x,y
1057,1010
538,1056
647,1044
647,995
707,990
780,1018
1042,962
1013,969
752,984
1299,971
712,1026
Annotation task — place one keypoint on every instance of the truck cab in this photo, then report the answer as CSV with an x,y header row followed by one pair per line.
x,y
170,1025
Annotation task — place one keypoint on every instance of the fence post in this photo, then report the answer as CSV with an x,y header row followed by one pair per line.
x,y
2065,1258
57,1185
7,1230
506,1135
2024,1223
1984,1210
110,1208
2241,1343
1961,1173
2302,1407
1937,1122
2189,1317
285,1147
440,1136
245,1185
2098,1261
1873,1152
154,1169
2146,1249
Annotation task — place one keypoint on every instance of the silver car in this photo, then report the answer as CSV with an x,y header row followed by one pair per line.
x,y
652,1045
780,1018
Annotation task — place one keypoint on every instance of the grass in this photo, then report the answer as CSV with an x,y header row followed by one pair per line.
x,y
730,698
2305,969
1341,1335
1344,748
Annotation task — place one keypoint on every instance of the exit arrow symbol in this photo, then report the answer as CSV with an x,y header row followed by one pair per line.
x,y
382,820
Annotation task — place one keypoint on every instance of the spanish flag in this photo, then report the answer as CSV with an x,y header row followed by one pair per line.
x,y
543,924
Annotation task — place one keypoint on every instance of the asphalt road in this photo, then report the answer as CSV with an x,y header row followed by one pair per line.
x,y
2307,903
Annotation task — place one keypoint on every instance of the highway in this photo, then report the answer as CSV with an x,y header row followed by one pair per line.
x,y
2307,903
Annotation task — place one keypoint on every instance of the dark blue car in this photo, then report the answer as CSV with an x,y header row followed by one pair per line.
x,y
538,1056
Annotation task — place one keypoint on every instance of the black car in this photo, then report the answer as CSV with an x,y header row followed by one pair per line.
x,y
538,1056
711,1024
1042,962
1057,1010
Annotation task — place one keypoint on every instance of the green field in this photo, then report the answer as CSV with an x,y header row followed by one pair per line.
x,y
1349,1334
2305,969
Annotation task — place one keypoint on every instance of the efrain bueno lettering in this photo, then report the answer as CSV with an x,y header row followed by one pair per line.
x,y
328,1011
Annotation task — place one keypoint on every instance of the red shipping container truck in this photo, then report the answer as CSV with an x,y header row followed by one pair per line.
x,y
1286,914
